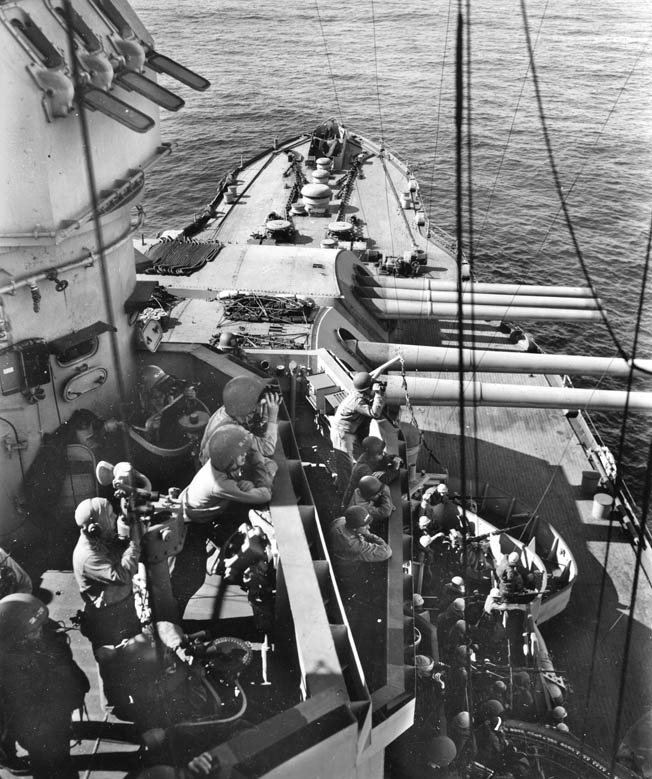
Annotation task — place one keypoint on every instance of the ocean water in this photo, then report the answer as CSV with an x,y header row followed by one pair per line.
x,y
386,68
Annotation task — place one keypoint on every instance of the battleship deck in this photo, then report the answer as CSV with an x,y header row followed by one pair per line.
x,y
533,454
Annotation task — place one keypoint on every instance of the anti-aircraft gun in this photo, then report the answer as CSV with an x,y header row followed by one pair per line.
x,y
169,684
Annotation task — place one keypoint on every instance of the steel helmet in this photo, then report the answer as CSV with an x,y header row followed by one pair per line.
x,y
458,605
369,486
559,713
458,581
373,445
462,720
228,443
20,614
424,663
355,516
441,752
442,489
227,340
513,558
499,686
563,727
362,380
241,395
417,600
493,708
153,375
521,679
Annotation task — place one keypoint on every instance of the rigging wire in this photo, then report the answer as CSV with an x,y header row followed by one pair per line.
x,y
459,150
103,264
380,121
469,138
471,236
510,132
645,507
99,238
380,113
431,183
564,209
459,206
595,142
642,524
328,60
558,186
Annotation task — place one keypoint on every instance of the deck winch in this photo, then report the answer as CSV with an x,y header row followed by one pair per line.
x,y
408,265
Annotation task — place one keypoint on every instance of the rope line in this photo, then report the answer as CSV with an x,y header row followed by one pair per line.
x,y
380,113
622,353
595,142
510,132
328,60
441,92
557,181
645,508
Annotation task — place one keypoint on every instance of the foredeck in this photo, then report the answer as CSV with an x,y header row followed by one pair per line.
x,y
263,188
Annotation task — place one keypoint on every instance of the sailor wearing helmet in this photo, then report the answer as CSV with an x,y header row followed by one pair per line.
x,y
40,687
429,692
372,462
365,401
491,740
234,474
251,403
104,568
375,498
231,344
354,548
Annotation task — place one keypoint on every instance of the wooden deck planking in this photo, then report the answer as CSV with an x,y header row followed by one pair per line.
x,y
384,226
254,204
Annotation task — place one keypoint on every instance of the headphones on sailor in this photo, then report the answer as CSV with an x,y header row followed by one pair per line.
x,y
93,530
85,516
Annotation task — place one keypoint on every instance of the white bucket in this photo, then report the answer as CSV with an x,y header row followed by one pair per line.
x,y
602,504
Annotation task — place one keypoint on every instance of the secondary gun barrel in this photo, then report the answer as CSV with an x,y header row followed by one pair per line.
x,y
478,298
443,358
410,309
446,392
